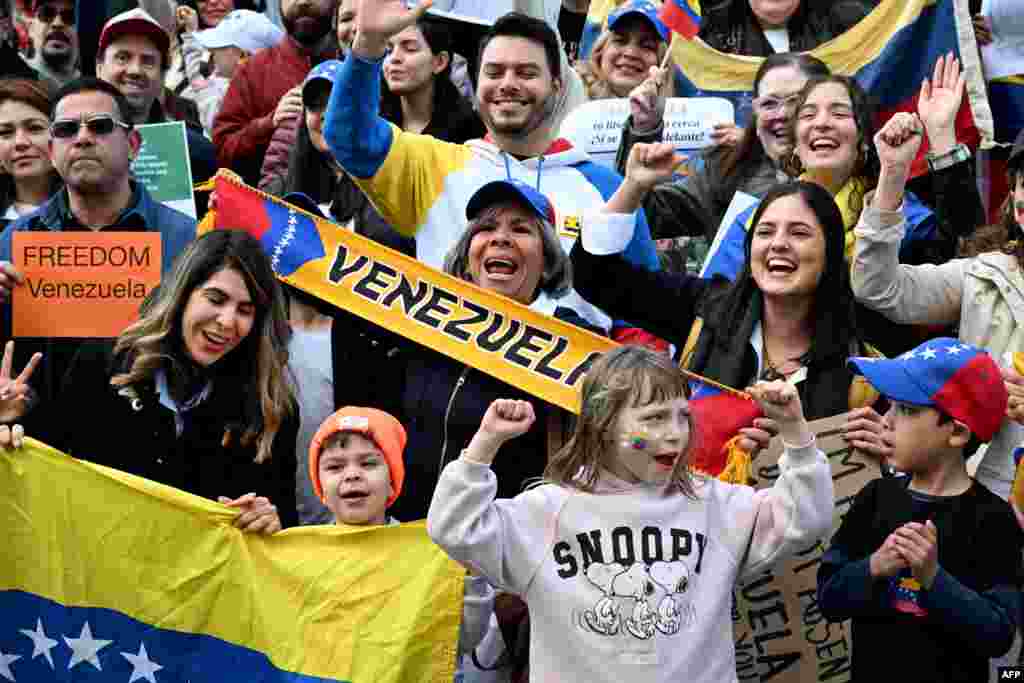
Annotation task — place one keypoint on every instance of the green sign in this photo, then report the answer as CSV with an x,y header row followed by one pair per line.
x,y
163,165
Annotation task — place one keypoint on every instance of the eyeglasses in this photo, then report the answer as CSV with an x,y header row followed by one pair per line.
x,y
47,13
99,125
769,104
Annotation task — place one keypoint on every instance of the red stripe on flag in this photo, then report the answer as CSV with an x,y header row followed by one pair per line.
x,y
717,418
966,130
240,209
677,15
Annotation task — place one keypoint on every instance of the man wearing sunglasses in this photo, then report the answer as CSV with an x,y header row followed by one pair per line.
x,y
92,145
52,30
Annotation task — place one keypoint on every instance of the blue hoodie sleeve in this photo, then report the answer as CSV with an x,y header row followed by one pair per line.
x,y
986,622
353,128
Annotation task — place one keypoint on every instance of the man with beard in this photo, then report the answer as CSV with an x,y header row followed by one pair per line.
x,y
421,185
133,55
52,29
266,90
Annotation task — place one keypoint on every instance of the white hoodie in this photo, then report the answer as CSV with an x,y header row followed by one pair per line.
x,y
628,584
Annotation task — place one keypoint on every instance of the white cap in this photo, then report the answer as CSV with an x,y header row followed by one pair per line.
x,y
248,30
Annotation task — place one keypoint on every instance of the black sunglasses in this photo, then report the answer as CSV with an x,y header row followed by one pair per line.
x,y
47,13
99,125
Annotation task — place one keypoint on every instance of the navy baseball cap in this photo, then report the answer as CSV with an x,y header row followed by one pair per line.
x,y
959,379
504,190
323,73
644,8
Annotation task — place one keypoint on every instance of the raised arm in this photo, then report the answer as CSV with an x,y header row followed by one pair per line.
x,y
662,303
925,294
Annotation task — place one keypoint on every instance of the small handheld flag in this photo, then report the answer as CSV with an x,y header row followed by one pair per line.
x,y
680,17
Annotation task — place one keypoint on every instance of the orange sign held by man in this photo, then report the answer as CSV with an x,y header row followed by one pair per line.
x,y
87,284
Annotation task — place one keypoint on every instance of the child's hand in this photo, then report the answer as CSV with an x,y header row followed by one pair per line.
x,y
505,419
919,543
759,436
863,431
1014,384
780,401
887,560
259,515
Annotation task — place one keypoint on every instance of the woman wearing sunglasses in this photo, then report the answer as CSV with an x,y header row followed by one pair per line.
x,y
27,178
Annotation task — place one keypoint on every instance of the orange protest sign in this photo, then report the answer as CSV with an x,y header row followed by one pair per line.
x,y
82,284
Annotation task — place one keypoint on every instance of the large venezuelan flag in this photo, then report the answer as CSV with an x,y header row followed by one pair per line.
x,y
110,577
890,52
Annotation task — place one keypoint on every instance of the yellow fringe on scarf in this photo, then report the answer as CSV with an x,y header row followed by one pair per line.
x,y
738,464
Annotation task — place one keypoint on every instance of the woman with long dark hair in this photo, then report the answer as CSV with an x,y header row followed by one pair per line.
x,y
790,313
195,393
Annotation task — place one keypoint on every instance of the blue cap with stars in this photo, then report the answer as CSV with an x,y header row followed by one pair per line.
x,y
959,379
644,8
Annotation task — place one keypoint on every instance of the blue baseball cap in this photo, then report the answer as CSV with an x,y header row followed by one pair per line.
x,y
959,379
323,72
504,190
644,8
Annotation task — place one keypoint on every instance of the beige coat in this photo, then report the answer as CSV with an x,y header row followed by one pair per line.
x,y
983,296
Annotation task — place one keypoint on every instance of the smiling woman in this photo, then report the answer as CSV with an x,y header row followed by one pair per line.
x,y
27,178
789,313
195,391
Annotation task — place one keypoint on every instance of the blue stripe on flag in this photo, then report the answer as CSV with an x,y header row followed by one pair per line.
x,y
42,640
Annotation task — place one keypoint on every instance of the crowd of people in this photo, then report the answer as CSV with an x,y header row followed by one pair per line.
x,y
852,294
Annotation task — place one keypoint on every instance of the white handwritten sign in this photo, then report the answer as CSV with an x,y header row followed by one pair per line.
x,y
596,126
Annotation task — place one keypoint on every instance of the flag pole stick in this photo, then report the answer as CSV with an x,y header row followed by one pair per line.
x,y
717,385
668,53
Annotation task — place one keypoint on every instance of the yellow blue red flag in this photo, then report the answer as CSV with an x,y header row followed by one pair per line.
x,y
110,577
890,53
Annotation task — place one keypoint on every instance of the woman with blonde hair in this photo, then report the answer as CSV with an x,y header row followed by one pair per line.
x,y
195,393
634,41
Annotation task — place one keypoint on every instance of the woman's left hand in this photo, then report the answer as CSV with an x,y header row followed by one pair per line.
x,y
259,515
756,439
650,164
939,103
1014,384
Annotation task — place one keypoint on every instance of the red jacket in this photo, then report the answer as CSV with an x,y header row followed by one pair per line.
x,y
245,124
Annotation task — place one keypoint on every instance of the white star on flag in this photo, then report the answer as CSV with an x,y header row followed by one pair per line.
x,y
953,350
85,647
142,665
41,644
928,354
909,355
5,665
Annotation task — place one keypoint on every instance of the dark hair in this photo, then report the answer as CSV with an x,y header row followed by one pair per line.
x,y
446,95
749,148
257,366
239,4
91,84
520,25
33,94
973,443
1006,235
834,311
867,167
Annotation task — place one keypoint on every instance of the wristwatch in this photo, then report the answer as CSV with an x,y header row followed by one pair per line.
x,y
938,162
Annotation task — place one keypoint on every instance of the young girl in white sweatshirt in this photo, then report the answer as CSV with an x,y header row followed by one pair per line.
x,y
625,558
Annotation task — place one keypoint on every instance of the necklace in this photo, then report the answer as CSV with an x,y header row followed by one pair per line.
x,y
784,370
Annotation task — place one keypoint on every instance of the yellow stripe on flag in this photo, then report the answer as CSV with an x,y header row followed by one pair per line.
x,y
379,604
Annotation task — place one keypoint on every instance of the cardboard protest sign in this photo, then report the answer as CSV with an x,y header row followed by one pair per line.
x,y
82,284
780,633
163,165
596,126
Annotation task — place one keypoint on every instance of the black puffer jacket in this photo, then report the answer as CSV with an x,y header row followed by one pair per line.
x,y
730,26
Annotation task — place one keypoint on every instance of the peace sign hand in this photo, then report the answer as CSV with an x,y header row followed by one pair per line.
x,y
378,20
14,394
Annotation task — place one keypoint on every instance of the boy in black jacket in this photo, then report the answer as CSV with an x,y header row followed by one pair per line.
x,y
927,565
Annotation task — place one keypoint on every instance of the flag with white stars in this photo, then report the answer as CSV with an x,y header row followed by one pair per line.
x,y
110,577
